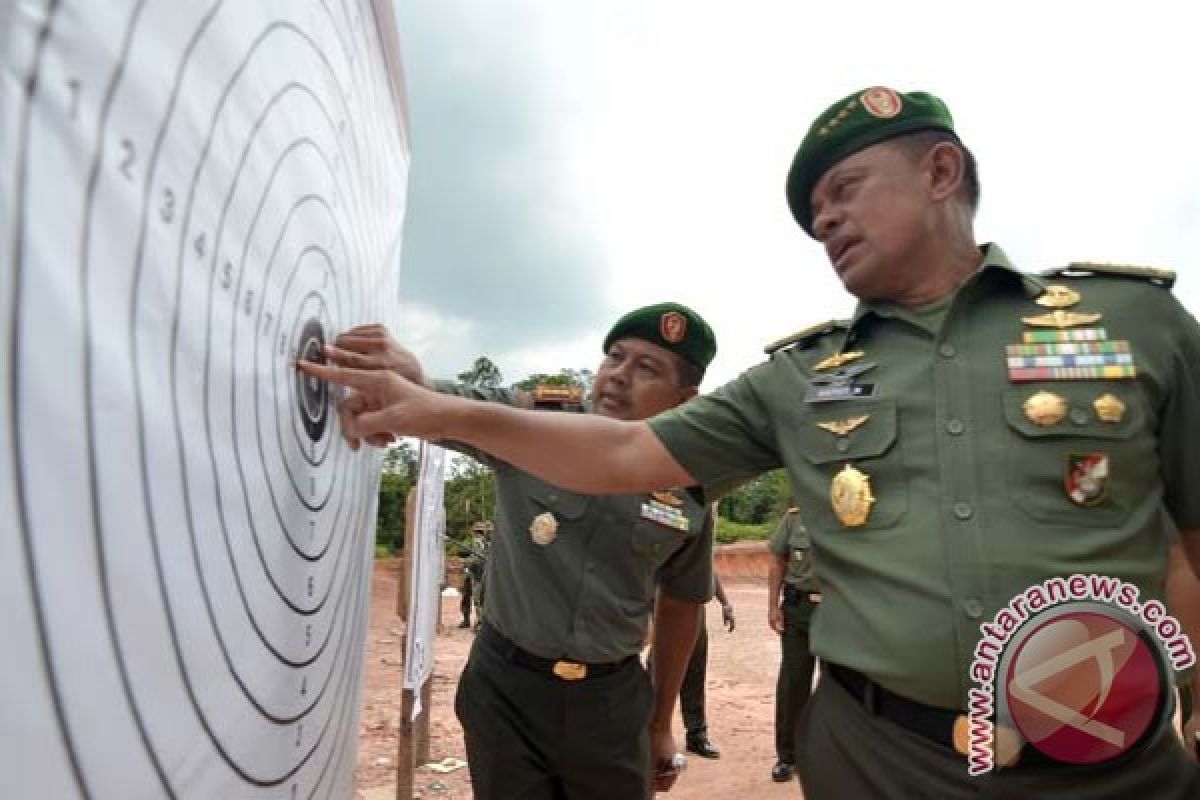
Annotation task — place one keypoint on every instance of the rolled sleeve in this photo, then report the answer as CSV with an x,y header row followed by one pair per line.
x,y
506,397
722,438
688,573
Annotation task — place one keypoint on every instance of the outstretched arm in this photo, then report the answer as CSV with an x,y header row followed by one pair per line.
x,y
580,452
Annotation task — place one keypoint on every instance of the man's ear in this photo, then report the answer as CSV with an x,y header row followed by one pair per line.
x,y
947,169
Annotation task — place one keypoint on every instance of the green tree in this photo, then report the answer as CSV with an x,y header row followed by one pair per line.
x,y
483,374
470,497
399,475
583,378
763,499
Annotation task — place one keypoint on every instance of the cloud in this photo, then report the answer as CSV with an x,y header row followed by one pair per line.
x,y
572,161
498,232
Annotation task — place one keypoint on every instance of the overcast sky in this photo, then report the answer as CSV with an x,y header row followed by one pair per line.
x,y
573,160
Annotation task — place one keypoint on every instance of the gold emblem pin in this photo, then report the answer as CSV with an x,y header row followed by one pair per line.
x,y
1057,296
1045,408
851,498
1109,408
838,359
840,427
1061,319
667,498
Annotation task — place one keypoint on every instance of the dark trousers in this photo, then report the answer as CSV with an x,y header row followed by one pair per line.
x,y
794,684
691,691
845,752
531,736
464,603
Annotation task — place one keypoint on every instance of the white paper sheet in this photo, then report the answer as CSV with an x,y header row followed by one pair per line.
x,y
191,194
427,573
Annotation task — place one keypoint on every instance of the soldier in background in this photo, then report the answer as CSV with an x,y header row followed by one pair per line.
x,y
792,597
474,563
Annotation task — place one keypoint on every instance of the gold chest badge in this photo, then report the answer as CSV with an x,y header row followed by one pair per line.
x,y
1045,408
851,498
1109,408
1058,296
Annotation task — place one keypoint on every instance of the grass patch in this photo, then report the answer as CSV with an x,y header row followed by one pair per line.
x,y
729,532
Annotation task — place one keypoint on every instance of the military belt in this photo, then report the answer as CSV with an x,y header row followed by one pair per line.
x,y
794,594
563,669
937,724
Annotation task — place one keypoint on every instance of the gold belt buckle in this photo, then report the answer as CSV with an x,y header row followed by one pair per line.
x,y
570,670
1006,742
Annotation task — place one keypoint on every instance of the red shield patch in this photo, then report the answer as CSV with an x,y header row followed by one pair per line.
x,y
673,326
1087,478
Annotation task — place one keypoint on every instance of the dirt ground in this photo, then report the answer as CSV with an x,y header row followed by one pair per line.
x,y
740,703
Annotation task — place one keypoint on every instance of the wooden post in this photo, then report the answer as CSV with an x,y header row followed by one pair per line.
x,y
404,754
412,749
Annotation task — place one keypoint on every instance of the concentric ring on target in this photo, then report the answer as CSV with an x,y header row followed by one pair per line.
x,y
313,393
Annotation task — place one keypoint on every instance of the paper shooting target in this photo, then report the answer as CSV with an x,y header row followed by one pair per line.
x,y
192,194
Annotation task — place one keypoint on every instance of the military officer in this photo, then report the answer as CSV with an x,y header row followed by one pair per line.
x,y
474,566
969,432
553,701
792,596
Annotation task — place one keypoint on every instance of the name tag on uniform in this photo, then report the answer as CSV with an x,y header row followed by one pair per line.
x,y
663,514
848,391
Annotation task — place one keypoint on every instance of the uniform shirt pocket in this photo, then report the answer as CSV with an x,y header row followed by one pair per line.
x,y
1076,467
871,446
567,507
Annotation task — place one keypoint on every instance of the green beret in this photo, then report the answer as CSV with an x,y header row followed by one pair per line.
x,y
854,123
669,325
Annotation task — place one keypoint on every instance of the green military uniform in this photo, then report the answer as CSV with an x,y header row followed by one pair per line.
x,y
971,504
474,563
800,597
584,596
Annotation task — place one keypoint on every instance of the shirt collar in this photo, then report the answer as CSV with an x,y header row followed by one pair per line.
x,y
994,262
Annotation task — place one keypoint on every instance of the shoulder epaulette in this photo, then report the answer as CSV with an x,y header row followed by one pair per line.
x,y
1082,269
805,337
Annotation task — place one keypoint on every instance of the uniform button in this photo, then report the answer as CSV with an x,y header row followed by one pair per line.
x,y
843,445
948,350
1079,416
963,510
955,426
973,608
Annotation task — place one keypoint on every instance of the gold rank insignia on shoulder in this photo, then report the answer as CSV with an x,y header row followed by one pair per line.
x,y
838,359
1109,408
1061,319
841,427
1058,296
668,498
851,498
1045,408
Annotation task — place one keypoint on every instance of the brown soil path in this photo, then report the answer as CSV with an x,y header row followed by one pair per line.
x,y
741,685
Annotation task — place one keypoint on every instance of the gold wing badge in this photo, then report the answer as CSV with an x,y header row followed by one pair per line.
x,y
838,359
1061,319
841,427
